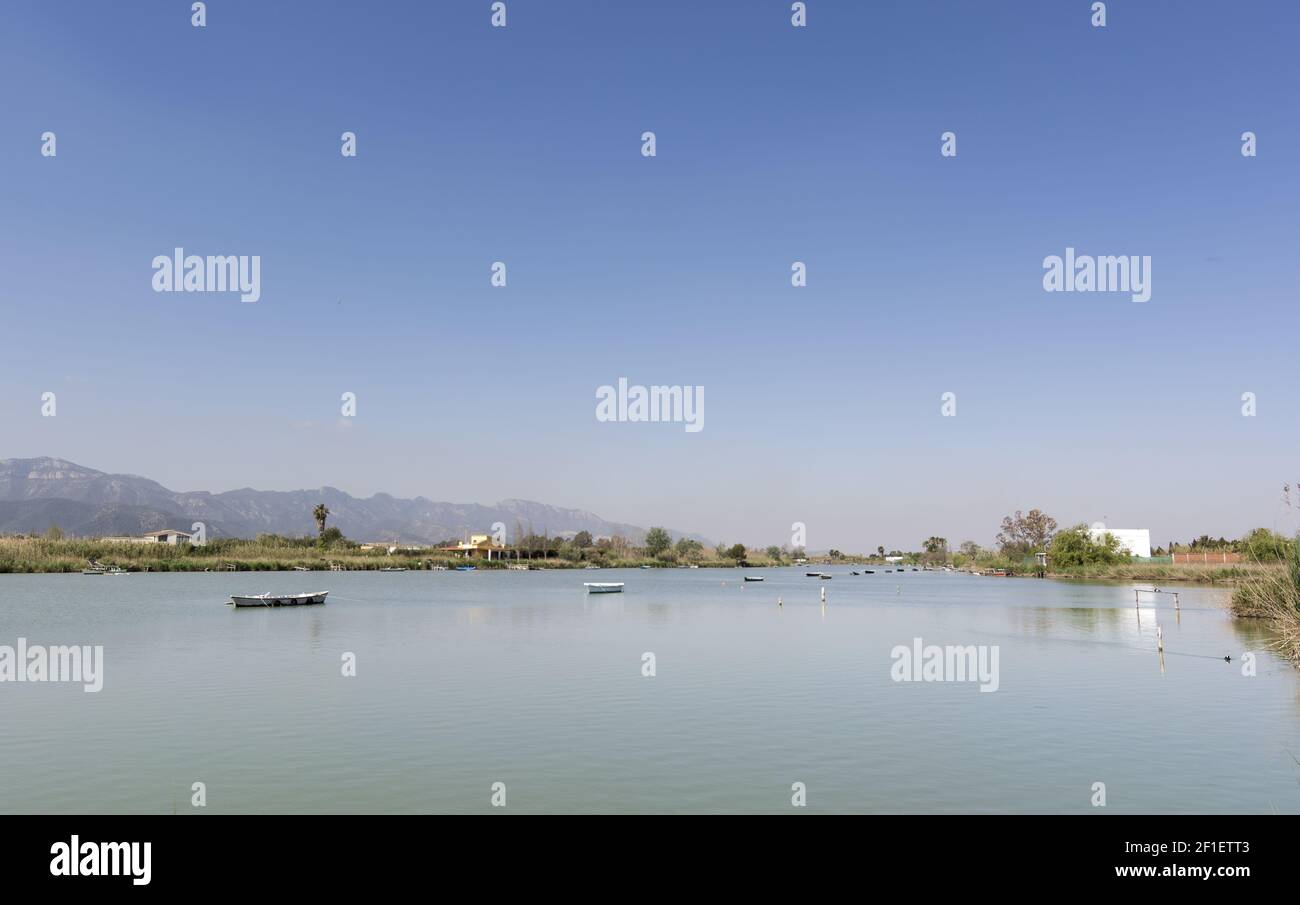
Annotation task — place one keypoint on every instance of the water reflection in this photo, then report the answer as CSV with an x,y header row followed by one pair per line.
x,y
551,692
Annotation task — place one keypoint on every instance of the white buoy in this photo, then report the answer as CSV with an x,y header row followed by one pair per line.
x,y
780,602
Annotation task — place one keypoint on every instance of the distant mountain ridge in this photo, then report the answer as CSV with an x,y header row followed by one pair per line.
x,y
83,502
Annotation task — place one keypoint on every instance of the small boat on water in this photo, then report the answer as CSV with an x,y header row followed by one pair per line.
x,y
824,575
301,569
117,570
753,578
393,569
868,571
603,587
94,570
278,599
466,568
812,574
437,568
855,573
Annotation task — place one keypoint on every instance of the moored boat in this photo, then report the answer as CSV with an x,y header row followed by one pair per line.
x,y
603,587
278,599
753,578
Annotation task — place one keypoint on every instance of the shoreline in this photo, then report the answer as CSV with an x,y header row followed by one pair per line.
x,y
36,555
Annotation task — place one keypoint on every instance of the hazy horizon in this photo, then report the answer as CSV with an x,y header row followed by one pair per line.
x,y
774,145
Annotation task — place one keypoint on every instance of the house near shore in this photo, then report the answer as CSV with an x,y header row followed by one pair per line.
x,y
479,546
165,536
1137,541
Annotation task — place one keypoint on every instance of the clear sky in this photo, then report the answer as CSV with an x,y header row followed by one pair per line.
x,y
775,144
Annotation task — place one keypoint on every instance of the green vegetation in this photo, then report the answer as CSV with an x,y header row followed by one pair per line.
x,y
1075,547
657,541
1274,595
1071,553
1022,535
320,514
1263,545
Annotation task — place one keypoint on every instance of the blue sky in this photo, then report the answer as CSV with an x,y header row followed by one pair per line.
x,y
775,144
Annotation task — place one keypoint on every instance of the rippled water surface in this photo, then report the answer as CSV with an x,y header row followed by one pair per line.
x,y
468,679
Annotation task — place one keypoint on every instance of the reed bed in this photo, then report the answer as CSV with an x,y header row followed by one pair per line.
x,y
1274,596
39,554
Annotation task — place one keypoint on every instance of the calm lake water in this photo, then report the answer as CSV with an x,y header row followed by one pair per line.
x,y
468,679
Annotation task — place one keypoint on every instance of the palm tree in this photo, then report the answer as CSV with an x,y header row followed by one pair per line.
x,y
320,514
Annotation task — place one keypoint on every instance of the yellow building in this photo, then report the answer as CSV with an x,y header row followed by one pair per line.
x,y
479,546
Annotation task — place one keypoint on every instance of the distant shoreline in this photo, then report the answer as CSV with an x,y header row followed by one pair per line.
x,y
29,555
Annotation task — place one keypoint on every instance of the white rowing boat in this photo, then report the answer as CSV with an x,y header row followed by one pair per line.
x,y
278,599
603,587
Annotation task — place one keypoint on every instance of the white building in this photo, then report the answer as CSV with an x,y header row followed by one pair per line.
x,y
1136,541
167,536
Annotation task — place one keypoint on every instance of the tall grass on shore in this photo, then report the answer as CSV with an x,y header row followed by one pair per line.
x,y
1275,597
1236,573
1119,570
270,553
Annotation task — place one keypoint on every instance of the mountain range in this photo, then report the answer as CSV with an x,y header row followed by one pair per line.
x,y
83,502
